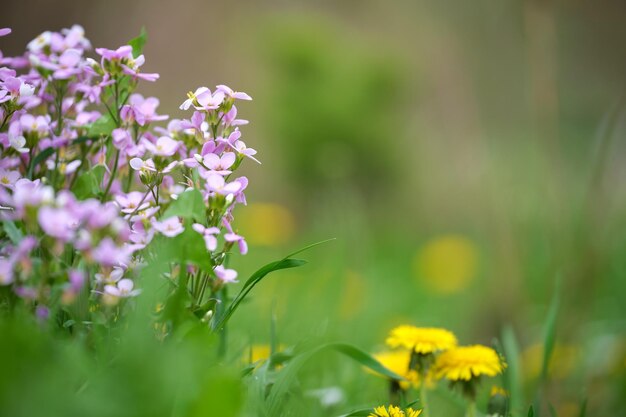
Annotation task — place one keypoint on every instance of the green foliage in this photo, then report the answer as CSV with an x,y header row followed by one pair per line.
x,y
139,42
357,413
550,333
12,231
88,184
583,408
512,374
186,248
285,263
38,159
324,87
287,377
102,127
189,205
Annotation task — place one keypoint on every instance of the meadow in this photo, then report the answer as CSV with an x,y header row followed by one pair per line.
x,y
376,241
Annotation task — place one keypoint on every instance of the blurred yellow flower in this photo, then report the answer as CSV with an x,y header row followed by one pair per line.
x,y
447,264
421,339
496,390
562,361
467,362
398,362
259,352
266,224
393,411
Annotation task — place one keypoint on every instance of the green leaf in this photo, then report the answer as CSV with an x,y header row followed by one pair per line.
x,y
139,42
289,374
357,413
512,374
189,205
550,332
102,127
81,139
250,283
87,184
187,247
364,359
531,412
583,408
39,158
286,262
12,231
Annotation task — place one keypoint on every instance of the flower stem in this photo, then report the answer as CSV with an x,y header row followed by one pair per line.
x,y
424,399
471,409
117,160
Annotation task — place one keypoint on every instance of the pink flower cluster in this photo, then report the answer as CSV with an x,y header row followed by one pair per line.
x,y
87,175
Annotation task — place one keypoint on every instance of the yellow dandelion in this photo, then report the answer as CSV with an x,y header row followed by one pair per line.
x,y
562,363
467,362
260,353
447,264
413,413
421,339
393,411
398,362
496,390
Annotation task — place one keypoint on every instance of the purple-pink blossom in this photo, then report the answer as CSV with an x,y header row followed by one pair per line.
x,y
227,276
208,234
169,227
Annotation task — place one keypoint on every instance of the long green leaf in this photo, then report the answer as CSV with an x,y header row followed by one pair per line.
x,y
583,408
550,334
358,413
12,231
306,248
284,263
512,375
39,158
250,283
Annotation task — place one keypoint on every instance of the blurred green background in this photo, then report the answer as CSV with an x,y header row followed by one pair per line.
x,y
463,154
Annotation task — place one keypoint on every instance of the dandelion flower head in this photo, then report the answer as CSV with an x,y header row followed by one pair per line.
x,y
393,411
421,339
467,362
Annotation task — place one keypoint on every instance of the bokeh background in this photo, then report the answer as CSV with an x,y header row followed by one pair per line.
x,y
468,157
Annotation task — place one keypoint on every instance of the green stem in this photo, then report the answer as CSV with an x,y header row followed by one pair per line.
x,y
106,190
471,409
6,118
424,397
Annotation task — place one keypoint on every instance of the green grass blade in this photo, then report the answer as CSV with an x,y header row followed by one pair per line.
x,y
284,263
550,334
39,158
583,408
364,359
306,248
512,375
362,412
249,285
